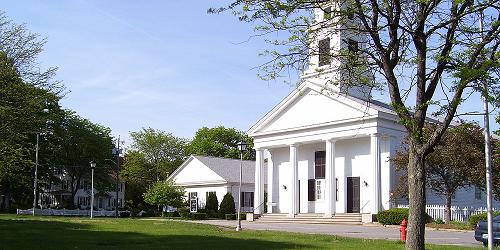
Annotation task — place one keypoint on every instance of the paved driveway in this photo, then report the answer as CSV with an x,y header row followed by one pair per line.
x,y
356,231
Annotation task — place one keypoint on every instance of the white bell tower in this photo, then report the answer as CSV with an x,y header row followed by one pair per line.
x,y
325,67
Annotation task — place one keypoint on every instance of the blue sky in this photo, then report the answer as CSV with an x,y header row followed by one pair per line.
x,y
162,64
166,64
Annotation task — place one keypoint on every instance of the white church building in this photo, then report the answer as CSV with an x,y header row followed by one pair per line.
x,y
327,147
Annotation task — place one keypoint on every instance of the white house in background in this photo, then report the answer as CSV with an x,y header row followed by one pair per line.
x,y
327,146
201,175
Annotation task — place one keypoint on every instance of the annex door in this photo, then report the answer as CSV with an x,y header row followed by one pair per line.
x,y
353,201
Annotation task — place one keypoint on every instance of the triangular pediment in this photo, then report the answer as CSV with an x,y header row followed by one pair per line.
x,y
309,107
194,171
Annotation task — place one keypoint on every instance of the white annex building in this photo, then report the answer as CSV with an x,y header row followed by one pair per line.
x,y
327,147
202,175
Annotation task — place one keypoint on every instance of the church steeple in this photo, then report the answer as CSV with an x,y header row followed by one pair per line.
x,y
328,49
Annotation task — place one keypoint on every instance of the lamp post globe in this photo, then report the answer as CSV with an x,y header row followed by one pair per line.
x,y
242,146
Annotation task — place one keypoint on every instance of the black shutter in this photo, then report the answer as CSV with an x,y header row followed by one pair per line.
x,y
251,199
311,190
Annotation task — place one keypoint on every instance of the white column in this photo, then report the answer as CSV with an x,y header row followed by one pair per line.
x,y
375,152
330,189
259,182
293,189
270,184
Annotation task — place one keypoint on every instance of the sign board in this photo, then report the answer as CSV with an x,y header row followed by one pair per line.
x,y
193,205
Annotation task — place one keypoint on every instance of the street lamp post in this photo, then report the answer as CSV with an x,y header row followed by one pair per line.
x,y
242,146
36,172
92,166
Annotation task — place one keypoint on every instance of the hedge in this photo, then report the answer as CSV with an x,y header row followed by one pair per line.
x,y
184,212
474,219
395,216
243,216
199,216
227,205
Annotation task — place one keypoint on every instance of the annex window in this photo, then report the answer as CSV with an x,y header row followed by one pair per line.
x,y
324,52
477,193
319,164
247,199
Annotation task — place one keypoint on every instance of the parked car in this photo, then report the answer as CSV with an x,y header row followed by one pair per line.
x,y
481,233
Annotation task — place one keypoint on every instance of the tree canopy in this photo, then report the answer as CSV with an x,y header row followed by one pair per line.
x,y
220,142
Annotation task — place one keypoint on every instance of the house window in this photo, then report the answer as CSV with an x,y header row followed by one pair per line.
x,y
327,13
247,199
319,189
477,193
324,52
86,185
319,164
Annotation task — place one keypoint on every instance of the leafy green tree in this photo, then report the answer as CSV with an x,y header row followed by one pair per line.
x,y
456,162
220,142
163,151
227,205
165,193
75,142
22,116
154,156
428,55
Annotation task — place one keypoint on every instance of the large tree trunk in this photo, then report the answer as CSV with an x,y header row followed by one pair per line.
x,y
416,195
447,212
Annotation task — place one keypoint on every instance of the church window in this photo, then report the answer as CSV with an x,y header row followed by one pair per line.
x,y
324,52
319,164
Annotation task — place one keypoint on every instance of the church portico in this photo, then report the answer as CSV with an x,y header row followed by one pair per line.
x,y
338,174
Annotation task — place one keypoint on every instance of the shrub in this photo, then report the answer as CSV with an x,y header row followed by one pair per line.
x,y
439,221
474,219
198,216
227,205
212,205
395,216
124,214
171,214
184,212
243,216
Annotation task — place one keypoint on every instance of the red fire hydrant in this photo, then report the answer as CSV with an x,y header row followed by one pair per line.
x,y
403,230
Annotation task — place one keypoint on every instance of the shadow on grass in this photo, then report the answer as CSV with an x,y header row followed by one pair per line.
x,y
47,234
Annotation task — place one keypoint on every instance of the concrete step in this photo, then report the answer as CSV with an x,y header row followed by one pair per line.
x,y
352,219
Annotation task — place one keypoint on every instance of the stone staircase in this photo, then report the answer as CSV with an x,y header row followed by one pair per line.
x,y
339,218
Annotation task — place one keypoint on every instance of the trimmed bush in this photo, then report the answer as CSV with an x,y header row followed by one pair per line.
x,y
474,219
171,214
184,212
395,216
243,216
227,205
198,216
439,221
212,205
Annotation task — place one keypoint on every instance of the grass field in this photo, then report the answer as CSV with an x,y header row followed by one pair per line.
x,y
25,232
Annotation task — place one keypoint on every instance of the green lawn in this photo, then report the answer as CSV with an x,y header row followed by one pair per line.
x,y
25,232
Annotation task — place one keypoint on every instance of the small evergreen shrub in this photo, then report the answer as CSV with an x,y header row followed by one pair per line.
x,y
198,216
395,216
227,205
230,216
474,219
212,205
184,212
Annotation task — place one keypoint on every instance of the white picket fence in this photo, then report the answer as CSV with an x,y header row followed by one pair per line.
x,y
67,212
461,214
